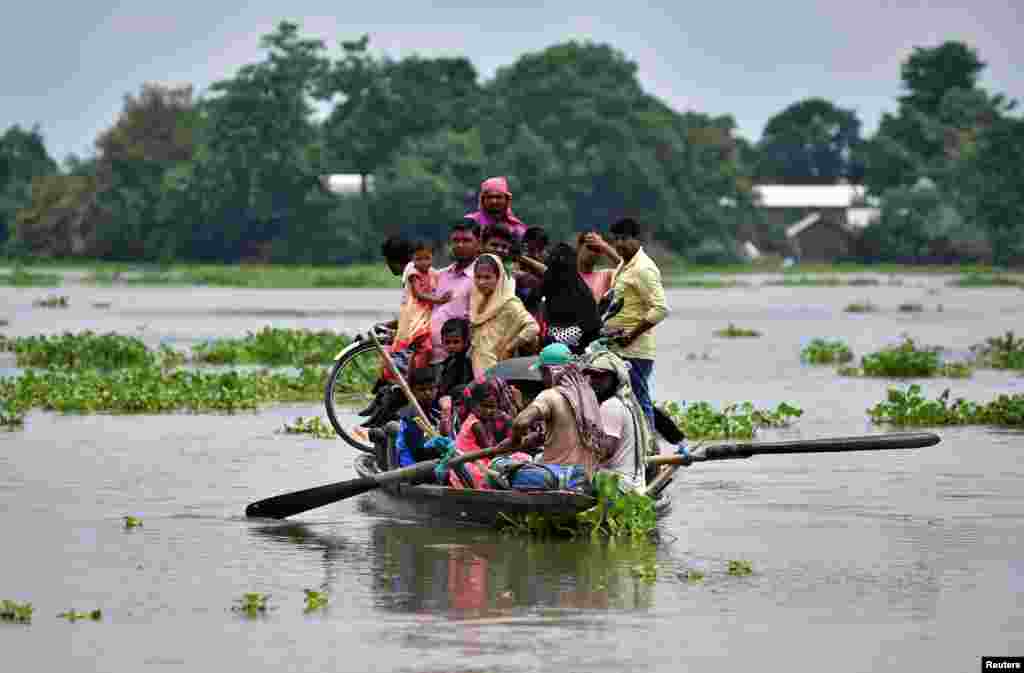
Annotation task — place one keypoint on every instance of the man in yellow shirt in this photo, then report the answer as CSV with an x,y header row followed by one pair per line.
x,y
638,283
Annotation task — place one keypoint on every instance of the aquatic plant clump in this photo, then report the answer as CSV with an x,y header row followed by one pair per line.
x,y
14,612
826,351
20,277
1006,352
74,616
274,346
146,390
910,408
315,600
973,280
907,360
12,414
251,604
733,332
53,301
314,426
699,420
83,350
740,568
861,307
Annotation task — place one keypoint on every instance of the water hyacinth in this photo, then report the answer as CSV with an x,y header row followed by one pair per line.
x,y
907,360
826,351
733,332
1006,352
274,346
83,350
699,420
911,408
314,426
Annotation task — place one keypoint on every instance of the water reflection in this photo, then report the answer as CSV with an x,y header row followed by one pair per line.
x,y
474,574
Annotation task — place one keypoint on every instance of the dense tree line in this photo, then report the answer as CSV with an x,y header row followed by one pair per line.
x,y
233,174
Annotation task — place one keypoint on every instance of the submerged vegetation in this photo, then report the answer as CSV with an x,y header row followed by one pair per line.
x,y
699,420
907,360
825,351
733,332
1006,352
910,408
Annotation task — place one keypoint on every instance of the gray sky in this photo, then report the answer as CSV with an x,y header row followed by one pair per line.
x,y
67,66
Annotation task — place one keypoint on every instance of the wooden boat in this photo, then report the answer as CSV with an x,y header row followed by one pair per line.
x,y
476,507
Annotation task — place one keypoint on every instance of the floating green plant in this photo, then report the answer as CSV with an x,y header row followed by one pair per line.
x,y
1006,352
740,568
12,414
132,522
733,332
911,408
861,307
693,576
310,426
252,604
82,350
274,346
18,613
315,600
53,301
19,277
153,390
826,351
699,420
74,616
648,572
910,307
974,280
907,360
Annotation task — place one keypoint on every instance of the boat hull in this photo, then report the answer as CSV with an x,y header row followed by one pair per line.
x,y
471,506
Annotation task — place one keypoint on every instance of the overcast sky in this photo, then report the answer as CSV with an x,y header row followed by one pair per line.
x,y
67,66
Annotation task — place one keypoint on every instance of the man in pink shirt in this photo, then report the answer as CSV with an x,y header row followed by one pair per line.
x,y
496,208
457,278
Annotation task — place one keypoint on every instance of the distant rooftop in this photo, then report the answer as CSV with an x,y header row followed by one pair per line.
x,y
345,183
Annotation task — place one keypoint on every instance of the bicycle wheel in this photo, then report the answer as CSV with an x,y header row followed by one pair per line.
x,y
349,386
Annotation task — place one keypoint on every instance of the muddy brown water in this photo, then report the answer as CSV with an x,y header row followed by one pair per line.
x,y
909,560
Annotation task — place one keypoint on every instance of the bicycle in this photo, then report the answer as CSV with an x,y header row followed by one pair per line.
x,y
355,368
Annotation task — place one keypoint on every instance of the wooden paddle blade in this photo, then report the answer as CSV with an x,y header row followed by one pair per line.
x,y
287,504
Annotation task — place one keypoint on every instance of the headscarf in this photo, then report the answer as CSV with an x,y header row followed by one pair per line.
x,y
574,387
610,362
568,300
481,308
497,185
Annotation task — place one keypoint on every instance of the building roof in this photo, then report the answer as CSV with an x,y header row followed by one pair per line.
x,y
809,196
345,183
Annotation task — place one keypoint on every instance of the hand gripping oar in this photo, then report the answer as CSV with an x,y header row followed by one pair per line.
x,y
287,504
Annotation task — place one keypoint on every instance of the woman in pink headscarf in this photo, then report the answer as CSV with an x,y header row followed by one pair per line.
x,y
496,207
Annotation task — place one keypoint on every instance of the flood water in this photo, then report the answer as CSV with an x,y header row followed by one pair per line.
x,y
900,560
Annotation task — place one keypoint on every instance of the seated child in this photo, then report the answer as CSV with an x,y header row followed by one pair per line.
x,y
491,406
411,438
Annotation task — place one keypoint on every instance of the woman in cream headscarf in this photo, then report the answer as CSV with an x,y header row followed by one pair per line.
x,y
499,323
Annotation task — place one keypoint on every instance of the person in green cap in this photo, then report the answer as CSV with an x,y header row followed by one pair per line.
x,y
573,433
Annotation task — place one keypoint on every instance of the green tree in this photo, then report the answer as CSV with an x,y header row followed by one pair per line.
x,y
811,142
929,74
23,157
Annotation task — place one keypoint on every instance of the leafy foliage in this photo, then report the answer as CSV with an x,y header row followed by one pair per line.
x,y
811,142
274,346
861,307
1006,352
252,604
315,600
310,426
83,350
20,277
699,420
910,408
131,522
12,611
733,332
824,351
908,360
740,568
52,301
73,615
986,280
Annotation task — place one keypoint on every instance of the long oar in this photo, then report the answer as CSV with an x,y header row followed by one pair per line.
x,y
894,440
287,504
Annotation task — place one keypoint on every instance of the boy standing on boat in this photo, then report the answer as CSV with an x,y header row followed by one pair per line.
x,y
638,283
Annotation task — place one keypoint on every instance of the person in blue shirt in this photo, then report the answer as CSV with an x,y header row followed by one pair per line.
x,y
411,440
